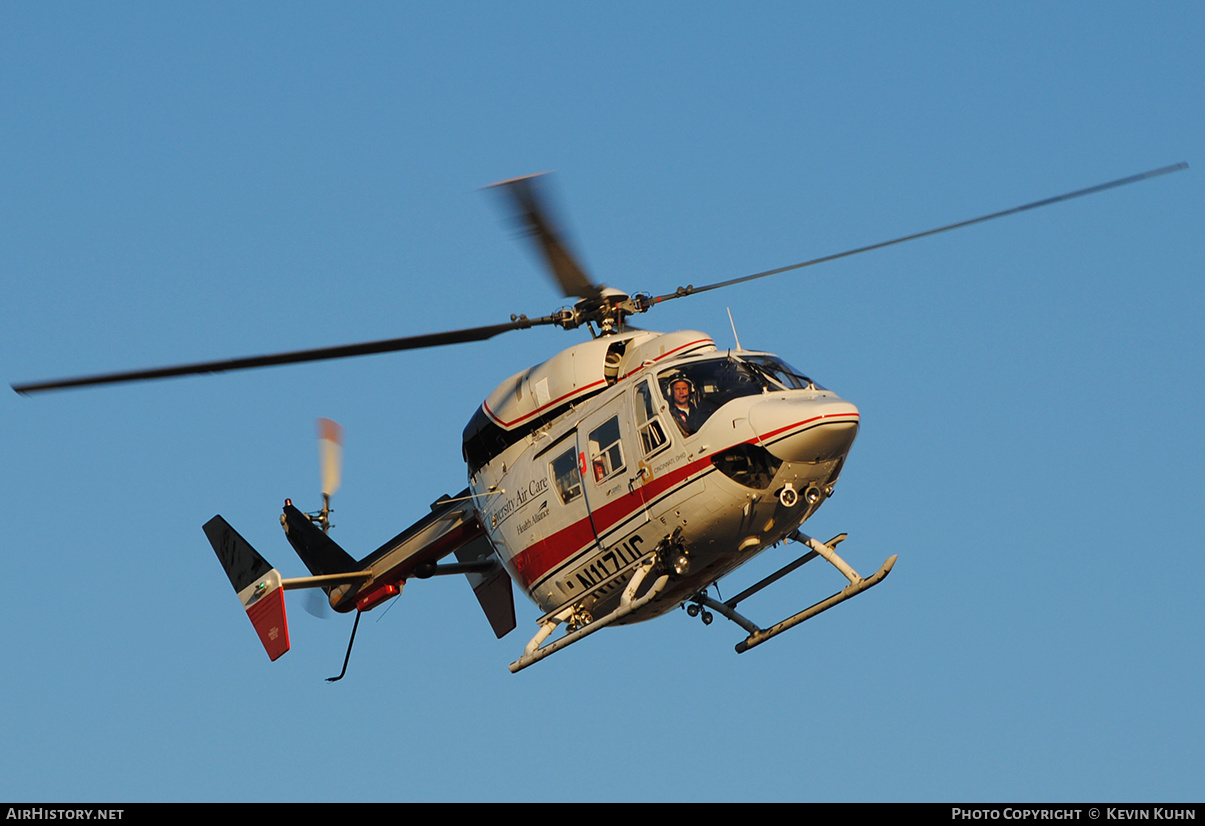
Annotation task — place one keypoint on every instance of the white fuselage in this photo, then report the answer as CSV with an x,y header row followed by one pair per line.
x,y
575,504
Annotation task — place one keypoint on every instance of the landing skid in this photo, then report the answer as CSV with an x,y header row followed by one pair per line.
x,y
536,650
827,550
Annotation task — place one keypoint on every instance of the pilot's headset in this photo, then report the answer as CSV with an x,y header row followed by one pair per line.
x,y
674,379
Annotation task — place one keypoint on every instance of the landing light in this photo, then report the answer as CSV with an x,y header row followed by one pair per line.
x,y
788,496
681,564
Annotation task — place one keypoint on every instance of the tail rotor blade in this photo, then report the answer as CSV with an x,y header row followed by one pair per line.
x,y
316,605
330,455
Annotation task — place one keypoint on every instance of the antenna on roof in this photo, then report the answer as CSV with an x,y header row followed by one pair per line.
x,y
734,335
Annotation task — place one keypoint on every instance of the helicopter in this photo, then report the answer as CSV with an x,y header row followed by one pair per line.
x,y
617,481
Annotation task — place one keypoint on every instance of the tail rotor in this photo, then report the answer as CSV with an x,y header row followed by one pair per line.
x,y
330,459
330,462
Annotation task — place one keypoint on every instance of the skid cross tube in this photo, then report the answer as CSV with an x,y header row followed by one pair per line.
x,y
795,536
856,586
628,603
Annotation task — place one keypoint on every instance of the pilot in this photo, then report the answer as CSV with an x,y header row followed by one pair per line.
x,y
682,406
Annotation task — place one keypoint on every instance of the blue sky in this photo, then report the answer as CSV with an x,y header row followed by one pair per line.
x,y
186,182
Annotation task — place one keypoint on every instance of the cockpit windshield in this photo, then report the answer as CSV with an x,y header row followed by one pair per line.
x,y
699,388
783,373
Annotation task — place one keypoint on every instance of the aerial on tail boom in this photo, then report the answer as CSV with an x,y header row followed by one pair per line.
x,y
617,481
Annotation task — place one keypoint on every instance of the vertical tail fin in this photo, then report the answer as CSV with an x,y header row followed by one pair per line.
x,y
257,584
320,553
492,587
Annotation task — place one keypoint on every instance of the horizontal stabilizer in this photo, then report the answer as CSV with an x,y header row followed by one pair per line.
x,y
257,584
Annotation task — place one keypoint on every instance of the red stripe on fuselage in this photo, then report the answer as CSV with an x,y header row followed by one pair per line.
x,y
536,412
782,430
533,562
670,354
537,559
588,387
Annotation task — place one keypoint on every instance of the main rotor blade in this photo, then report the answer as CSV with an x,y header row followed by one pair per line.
x,y
292,357
535,216
1142,176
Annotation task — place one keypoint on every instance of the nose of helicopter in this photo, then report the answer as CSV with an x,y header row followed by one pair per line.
x,y
803,429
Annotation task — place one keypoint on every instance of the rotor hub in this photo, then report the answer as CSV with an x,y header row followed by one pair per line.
x,y
606,311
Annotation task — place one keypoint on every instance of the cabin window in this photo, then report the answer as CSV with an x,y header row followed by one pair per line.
x,y
606,452
652,434
566,476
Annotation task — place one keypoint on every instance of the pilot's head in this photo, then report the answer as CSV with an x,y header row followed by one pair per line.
x,y
681,388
